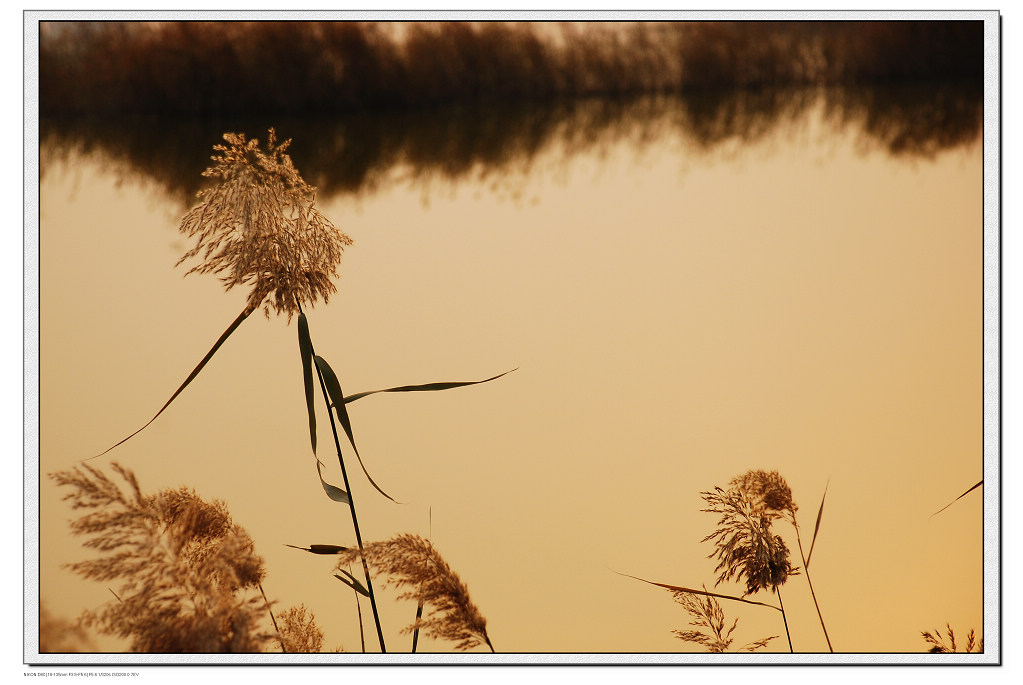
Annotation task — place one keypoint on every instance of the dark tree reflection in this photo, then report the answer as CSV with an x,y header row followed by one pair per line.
x,y
360,154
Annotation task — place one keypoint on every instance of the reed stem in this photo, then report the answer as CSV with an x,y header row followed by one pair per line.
x,y
358,607
806,569
783,618
280,639
351,506
351,502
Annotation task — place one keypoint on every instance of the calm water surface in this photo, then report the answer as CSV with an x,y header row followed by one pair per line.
x,y
687,293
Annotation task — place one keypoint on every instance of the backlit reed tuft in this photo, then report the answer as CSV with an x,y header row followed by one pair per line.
x,y
186,574
411,563
766,491
707,613
58,635
940,646
745,545
299,632
259,227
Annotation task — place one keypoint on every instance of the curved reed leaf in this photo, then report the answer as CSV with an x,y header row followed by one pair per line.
x,y
352,582
195,372
305,348
333,492
816,528
321,549
677,588
426,387
958,498
338,402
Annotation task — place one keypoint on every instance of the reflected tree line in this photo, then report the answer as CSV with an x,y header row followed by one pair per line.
x,y
362,153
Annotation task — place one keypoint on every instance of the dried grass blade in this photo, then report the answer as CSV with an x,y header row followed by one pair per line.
x,y
677,588
426,387
305,347
195,372
958,498
817,526
337,399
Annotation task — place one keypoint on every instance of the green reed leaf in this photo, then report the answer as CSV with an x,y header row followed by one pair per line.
x,y
337,399
321,549
333,492
426,387
352,582
817,526
958,498
305,348
195,372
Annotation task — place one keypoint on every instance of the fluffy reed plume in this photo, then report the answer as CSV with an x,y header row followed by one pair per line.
x,y
299,632
746,547
185,572
259,227
57,635
409,561
767,492
939,646
707,613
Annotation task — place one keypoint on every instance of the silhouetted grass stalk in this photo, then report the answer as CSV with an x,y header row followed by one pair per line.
x,y
351,507
806,568
272,619
784,619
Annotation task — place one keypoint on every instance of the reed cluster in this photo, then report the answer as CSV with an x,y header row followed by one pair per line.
x,y
939,645
187,578
186,571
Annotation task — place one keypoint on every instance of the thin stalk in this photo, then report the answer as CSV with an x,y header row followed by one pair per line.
x,y
274,620
415,633
355,518
783,618
351,505
806,569
362,633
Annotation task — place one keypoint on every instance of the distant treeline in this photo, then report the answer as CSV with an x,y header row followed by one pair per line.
x,y
302,68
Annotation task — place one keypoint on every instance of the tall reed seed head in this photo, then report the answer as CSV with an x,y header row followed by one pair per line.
x,y
745,544
185,574
259,227
706,612
412,564
766,491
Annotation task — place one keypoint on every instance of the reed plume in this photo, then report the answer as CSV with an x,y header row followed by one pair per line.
x,y
259,227
767,492
411,563
939,646
299,633
745,545
707,613
57,635
185,573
